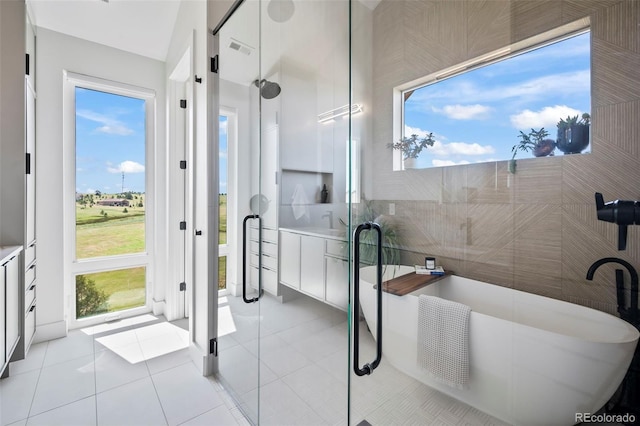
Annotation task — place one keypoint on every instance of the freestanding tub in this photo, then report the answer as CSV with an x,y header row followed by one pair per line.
x,y
533,360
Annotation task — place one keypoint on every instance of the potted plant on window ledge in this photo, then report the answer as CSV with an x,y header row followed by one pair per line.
x,y
573,134
411,147
536,142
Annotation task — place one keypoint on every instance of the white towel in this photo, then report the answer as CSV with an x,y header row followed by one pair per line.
x,y
299,203
443,340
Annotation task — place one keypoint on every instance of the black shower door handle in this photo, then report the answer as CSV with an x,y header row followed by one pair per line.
x,y
244,260
367,368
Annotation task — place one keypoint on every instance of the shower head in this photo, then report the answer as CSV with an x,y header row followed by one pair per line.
x,y
268,89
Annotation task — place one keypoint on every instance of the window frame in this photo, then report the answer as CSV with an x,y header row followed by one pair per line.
x,y
72,265
538,41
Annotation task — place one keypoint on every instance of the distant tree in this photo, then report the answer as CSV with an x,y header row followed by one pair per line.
x,y
90,300
128,195
101,212
98,193
125,210
140,204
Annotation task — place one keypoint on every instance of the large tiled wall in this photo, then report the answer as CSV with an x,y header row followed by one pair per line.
x,y
536,230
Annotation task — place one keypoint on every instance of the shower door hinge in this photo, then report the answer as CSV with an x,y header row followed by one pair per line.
x,y
183,103
183,225
213,346
183,164
26,71
214,64
183,286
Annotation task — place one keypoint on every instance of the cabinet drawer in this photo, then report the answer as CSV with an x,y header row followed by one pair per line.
x,y
253,259
29,295
270,235
30,275
270,248
270,281
336,248
30,254
270,262
29,326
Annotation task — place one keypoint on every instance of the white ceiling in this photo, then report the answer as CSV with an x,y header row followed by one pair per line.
x,y
143,27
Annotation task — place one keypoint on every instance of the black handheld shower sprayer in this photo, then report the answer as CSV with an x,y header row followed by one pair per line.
x,y
620,212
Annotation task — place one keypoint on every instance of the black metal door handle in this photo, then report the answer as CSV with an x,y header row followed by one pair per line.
x,y
244,260
367,368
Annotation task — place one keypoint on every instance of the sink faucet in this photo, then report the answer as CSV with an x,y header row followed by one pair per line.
x,y
633,314
329,214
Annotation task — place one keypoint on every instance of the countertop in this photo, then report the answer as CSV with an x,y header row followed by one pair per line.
x,y
6,252
316,231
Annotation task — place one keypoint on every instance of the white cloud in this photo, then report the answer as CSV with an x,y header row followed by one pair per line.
x,y
561,84
461,148
110,125
127,167
465,112
441,149
440,163
547,117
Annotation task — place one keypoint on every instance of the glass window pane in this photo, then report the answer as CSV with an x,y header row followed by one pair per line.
x,y
222,272
110,174
222,189
111,291
513,106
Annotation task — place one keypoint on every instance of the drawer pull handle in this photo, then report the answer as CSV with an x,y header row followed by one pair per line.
x,y
33,286
32,266
33,308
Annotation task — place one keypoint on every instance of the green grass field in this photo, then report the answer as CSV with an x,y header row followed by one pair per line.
x,y
109,231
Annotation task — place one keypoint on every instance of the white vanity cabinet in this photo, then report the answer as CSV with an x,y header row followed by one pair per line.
x,y
290,255
315,265
10,322
312,266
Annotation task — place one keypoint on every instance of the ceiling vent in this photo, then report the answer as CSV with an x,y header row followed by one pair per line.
x,y
240,47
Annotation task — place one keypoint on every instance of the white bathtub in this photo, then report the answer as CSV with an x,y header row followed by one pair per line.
x,y
533,360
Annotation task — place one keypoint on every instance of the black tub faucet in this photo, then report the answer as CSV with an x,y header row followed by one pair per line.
x,y
632,313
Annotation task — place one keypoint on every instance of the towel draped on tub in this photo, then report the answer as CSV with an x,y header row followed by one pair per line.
x,y
443,340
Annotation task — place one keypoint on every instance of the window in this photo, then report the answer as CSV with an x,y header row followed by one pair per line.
x,y
223,250
108,132
475,112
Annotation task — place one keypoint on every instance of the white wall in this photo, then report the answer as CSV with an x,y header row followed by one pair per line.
x,y
55,53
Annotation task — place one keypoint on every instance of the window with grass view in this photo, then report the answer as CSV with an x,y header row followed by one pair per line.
x,y
110,201
222,193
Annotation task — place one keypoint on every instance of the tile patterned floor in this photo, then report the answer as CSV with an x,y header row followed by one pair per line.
x,y
304,367
136,372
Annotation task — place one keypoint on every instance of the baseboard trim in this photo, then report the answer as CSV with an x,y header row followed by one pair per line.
x,y
46,332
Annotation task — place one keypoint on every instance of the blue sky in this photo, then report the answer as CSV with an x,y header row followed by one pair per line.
x,y
477,116
110,141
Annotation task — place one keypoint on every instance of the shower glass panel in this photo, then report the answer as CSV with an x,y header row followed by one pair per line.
x,y
239,321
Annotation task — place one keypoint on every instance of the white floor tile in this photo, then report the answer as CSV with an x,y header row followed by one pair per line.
x,y
80,413
77,344
64,383
112,370
170,360
218,416
33,361
134,404
17,394
184,393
